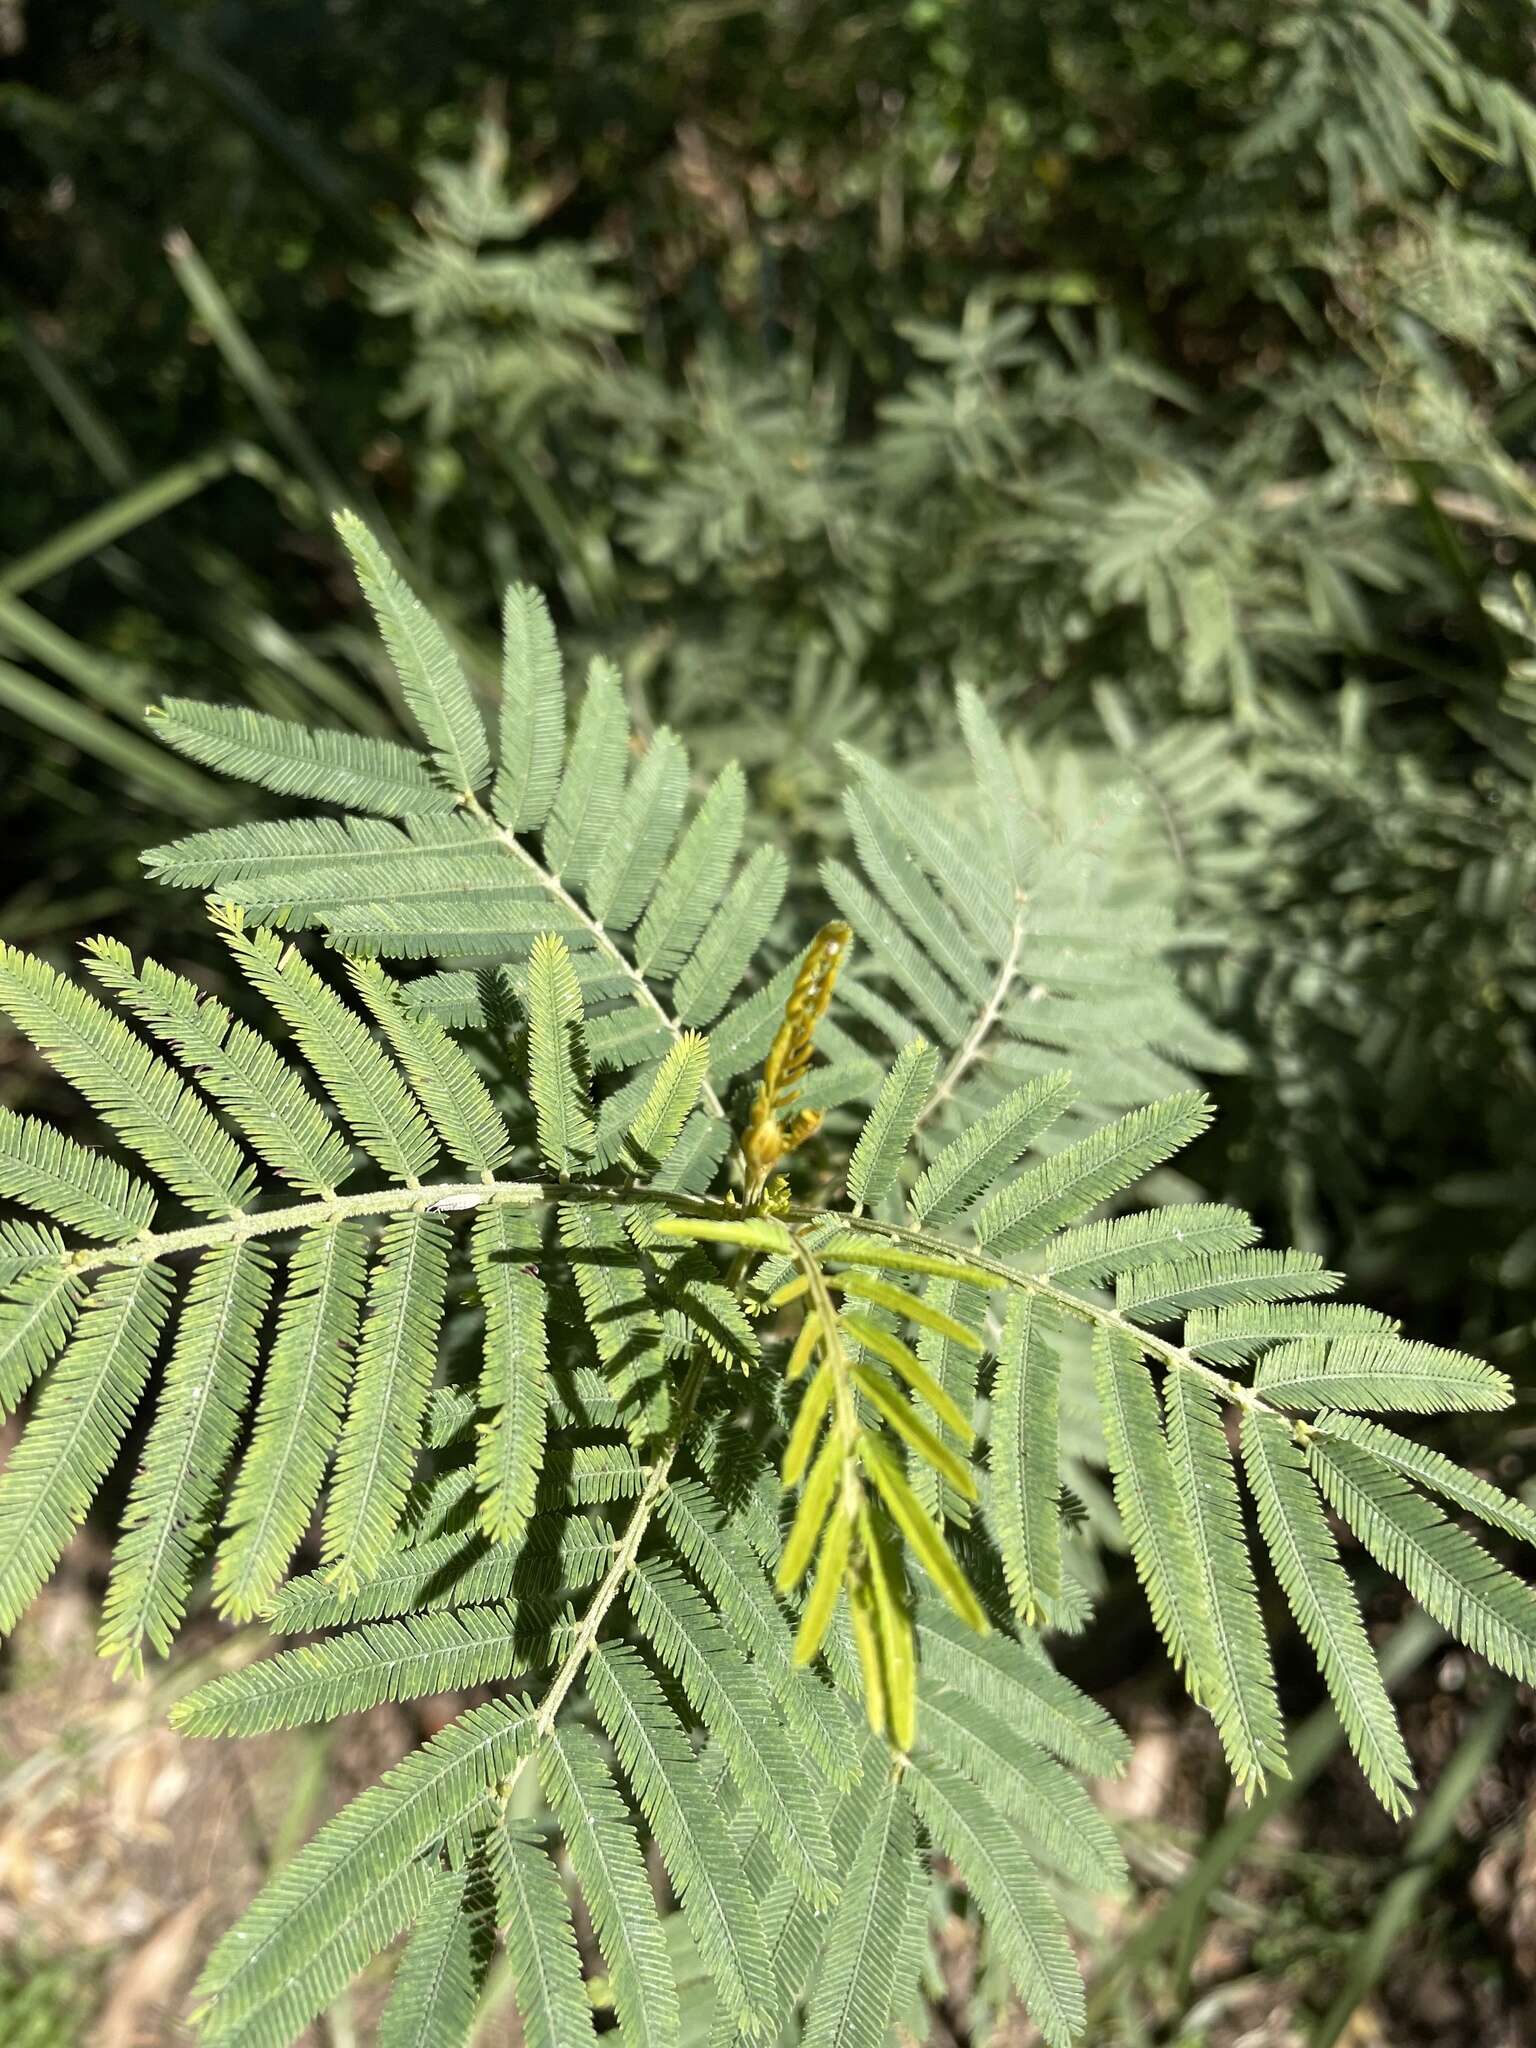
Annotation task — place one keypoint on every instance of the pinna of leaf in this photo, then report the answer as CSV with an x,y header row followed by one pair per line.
x,y
854,1418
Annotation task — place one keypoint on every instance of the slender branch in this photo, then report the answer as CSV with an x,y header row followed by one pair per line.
x,y
424,1198
969,1051
604,941
613,1581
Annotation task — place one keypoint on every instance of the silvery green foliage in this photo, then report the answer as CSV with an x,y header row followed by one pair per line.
x,y
452,1261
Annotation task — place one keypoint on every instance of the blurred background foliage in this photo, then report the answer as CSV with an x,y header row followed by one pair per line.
x,y
1165,367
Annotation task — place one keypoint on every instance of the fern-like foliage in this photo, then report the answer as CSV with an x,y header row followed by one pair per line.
x,y
744,1498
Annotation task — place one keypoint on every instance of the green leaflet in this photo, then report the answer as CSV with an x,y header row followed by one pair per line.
x,y
999,784
586,806
694,879
1026,1476
437,1985
37,1314
170,1509
610,1869
889,1127
532,728
972,1163
1063,1188
705,1871
355,1936
535,1917
431,1796
1064,1827
298,1417
363,1082
514,1385
88,1190
133,1088
668,1103
1242,1697
737,1707
351,769
257,1090
1306,1560
1023,1924
1156,1525
557,1056
429,671
81,1418
441,1072
1433,1471
1157,1293
855,1987
1095,1252
1378,1371
630,863
731,938
409,1659
396,1358
1450,1575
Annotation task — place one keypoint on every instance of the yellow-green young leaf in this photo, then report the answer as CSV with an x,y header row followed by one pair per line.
x,y
831,1568
558,1073
865,1249
435,687
755,1233
924,1535
804,1345
814,1404
888,1129
893,1627
909,1425
912,1308
1026,1454
815,1499
912,1370
866,1638
792,1290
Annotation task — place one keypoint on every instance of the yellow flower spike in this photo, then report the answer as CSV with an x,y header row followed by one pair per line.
x,y
767,1138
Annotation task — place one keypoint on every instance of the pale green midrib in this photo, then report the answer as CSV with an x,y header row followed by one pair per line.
x,y
601,937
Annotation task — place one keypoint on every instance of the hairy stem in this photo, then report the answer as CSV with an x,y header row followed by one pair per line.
x,y
967,1053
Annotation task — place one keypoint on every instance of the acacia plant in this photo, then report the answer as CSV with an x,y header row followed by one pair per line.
x,y
621,1372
